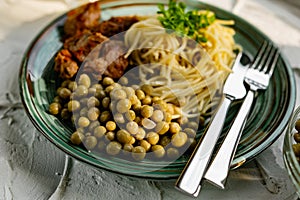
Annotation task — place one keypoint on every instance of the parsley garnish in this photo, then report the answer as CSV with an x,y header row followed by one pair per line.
x,y
189,23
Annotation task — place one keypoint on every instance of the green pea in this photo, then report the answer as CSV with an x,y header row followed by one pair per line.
x,y
119,118
81,91
77,138
174,127
158,151
182,120
134,100
109,89
123,80
123,105
179,139
147,100
107,81
138,153
127,148
165,140
72,86
90,142
105,116
130,115
152,138
99,131
100,94
157,116
57,99
93,125
129,91
123,136
132,127
93,113
140,94
162,127
141,134
85,80
83,112
193,125
167,117
105,102
64,93
97,86
54,108
93,102
145,144
118,94
92,91
110,136
147,111
190,132
65,83
148,89
172,153
111,125
113,148
83,122
65,114
132,140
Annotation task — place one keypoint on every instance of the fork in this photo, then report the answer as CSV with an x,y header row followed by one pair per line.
x,y
257,77
191,176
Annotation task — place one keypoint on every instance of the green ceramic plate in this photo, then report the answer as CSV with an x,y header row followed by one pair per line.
x,y
268,118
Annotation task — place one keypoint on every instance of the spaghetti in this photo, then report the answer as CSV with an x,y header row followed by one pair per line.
x,y
180,68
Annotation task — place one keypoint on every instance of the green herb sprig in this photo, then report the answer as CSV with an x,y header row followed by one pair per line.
x,y
189,23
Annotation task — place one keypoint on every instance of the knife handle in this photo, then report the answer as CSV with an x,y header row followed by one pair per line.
x,y
218,170
192,174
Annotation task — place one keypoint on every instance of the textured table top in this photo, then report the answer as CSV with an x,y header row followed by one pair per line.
x,y
31,167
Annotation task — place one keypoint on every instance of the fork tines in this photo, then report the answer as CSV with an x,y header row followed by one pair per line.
x,y
268,53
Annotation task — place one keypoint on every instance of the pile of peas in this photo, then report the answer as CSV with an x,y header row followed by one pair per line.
x,y
296,147
119,119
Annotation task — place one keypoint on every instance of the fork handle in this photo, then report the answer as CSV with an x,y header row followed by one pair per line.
x,y
219,168
192,174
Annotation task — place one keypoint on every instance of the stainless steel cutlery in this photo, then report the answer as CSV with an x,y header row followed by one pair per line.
x,y
191,176
198,166
257,77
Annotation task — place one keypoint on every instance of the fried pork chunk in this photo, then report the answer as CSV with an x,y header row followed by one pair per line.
x,y
84,35
83,43
108,59
65,65
83,17
115,25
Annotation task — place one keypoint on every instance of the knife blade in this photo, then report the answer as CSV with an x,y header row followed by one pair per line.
x,y
190,178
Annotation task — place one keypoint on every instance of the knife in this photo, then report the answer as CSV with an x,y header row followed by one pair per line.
x,y
190,178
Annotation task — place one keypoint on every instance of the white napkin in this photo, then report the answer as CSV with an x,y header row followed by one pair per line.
x,y
13,13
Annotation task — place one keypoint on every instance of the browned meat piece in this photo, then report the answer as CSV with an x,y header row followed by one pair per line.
x,y
84,17
83,43
64,64
108,59
116,25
